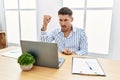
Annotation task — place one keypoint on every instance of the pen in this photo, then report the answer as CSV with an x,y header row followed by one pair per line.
x,y
88,65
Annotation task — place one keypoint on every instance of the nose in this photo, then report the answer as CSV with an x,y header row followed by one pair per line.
x,y
62,22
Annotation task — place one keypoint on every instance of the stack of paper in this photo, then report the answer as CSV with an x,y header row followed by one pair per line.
x,y
12,53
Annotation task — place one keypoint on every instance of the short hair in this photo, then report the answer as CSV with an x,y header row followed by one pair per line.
x,y
65,11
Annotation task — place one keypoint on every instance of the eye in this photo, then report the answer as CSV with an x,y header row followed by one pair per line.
x,y
66,20
60,19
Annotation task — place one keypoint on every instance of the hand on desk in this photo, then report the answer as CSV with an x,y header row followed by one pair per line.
x,y
67,52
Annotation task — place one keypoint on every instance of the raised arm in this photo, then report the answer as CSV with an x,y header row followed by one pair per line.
x,y
44,37
46,20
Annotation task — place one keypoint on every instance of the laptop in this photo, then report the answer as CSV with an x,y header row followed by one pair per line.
x,y
46,54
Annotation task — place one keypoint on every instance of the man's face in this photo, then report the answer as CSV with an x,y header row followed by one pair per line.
x,y
65,22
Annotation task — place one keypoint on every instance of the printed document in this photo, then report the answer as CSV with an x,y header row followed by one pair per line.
x,y
15,53
87,66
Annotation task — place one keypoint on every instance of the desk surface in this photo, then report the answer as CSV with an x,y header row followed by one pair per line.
x,y
10,70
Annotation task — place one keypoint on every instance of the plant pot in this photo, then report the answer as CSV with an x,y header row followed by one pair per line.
x,y
26,67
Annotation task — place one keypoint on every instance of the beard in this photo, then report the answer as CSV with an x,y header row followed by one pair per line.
x,y
64,28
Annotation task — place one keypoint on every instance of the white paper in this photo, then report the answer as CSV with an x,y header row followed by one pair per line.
x,y
88,66
12,53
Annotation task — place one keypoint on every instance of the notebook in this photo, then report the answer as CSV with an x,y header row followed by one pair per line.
x,y
46,54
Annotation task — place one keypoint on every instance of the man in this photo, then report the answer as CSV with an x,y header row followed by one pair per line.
x,y
70,39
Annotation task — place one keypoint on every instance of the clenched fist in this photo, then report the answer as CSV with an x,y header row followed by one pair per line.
x,y
67,51
46,20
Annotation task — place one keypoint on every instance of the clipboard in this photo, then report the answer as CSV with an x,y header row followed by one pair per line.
x,y
87,66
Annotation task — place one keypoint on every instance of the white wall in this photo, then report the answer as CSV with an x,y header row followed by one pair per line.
x,y
115,32
114,47
48,7
2,23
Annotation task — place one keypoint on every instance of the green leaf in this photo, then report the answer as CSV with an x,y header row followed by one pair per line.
x,y
26,59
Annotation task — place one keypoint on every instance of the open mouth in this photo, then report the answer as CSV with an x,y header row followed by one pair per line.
x,y
63,27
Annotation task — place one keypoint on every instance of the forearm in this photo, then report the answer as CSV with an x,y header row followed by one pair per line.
x,y
43,36
44,28
46,37
46,20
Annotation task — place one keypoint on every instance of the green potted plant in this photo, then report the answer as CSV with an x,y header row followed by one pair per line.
x,y
26,61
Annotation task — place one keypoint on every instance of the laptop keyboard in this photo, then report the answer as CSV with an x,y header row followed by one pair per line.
x,y
59,62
